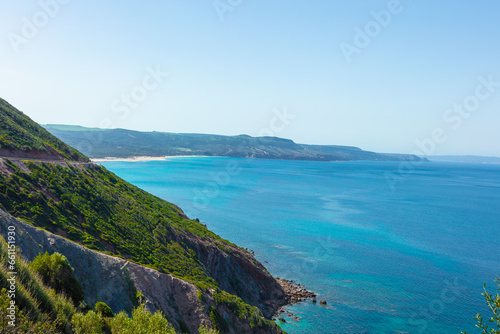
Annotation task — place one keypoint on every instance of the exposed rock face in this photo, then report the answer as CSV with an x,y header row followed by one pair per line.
x,y
114,280
240,274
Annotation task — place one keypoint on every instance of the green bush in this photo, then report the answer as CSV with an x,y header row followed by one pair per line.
x,y
205,330
90,323
104,310
57,273
249,314
142,322
36,301
493,302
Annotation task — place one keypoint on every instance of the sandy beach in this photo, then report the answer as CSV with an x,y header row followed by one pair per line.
x,y
134,159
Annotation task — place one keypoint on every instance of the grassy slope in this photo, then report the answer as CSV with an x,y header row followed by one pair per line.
x,y
93,207
105,213
18,132
38,303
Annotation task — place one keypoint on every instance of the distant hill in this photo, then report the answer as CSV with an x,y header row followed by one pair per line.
x,y
465,159
120,143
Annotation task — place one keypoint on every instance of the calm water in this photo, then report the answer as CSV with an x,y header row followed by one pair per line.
x,y
405,258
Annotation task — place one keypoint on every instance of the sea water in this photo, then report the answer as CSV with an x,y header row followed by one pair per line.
x,y
392,247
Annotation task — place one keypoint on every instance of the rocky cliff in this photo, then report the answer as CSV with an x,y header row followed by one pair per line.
x,y
122,284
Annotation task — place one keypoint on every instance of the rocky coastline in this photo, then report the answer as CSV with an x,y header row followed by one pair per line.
x,y
294,293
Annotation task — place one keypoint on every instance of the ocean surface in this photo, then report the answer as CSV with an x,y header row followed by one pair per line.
x,y
392,248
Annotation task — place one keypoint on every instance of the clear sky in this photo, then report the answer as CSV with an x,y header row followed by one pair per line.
x,y
388,76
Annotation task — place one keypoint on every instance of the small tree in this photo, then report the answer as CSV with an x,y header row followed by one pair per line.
x,y
90,323
57,273
493,302
104,310
142,321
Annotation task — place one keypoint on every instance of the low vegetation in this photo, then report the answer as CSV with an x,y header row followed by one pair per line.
x,y
57,273
493,302
91,206
39,309
249,314
102,212
19,132
41,306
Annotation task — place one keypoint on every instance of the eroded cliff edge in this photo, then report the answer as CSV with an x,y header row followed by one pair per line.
x,y
117,281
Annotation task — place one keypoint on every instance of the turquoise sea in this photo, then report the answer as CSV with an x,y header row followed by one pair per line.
x,y
404,257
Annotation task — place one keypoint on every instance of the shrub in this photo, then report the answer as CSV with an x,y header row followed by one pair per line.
x,y
90,323
57,273
142,322
493,302
104,310
205,330
35,300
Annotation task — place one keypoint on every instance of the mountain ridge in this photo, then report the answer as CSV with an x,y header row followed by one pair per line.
x,y
123,143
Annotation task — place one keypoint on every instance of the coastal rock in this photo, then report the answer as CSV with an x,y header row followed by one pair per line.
x,y
294,292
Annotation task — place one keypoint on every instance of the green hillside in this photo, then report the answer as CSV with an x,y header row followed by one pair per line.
x,y
20,134
91,206
102,212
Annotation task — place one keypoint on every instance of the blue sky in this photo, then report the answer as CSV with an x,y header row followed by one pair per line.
x,y
234,66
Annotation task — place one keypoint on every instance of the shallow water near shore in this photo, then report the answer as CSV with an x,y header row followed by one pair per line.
x,y
405,257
